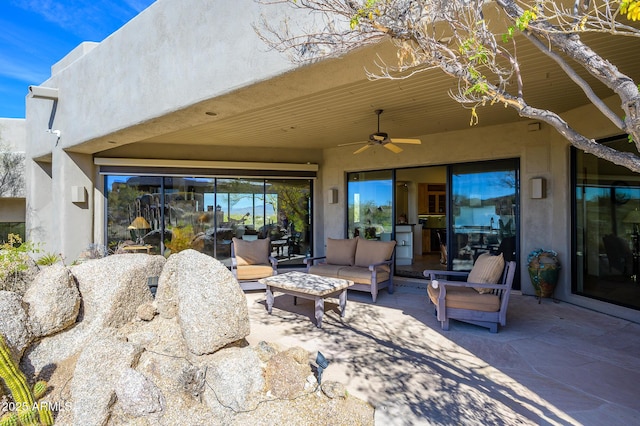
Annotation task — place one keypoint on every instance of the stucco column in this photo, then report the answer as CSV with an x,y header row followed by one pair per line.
x,y
39,205
72,203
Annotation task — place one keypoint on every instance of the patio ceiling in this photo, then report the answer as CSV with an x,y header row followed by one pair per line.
x,y
278,114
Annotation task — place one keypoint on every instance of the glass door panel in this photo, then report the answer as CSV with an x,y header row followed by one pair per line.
x,y
607,209
288,219
484,199
370,196
189,214
241,209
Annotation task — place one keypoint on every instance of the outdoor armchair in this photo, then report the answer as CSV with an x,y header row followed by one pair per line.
x,y
251,261
477,300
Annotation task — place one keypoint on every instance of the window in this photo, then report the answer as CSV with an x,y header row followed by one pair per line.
x,y
607,221
484,205
171,214
370,208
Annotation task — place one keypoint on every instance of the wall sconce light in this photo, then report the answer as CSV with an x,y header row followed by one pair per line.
x,y
538,188
78,194
332,196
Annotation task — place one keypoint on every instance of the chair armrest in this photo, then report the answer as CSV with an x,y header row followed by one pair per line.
x,y
311,260
373,266
274,263
434,273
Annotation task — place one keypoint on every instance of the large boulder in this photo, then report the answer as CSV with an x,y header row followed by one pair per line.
x,y
98,373
202,293
235,378
14,323
53,301
112,289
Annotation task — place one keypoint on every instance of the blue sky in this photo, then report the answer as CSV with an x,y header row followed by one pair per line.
x,y
38,33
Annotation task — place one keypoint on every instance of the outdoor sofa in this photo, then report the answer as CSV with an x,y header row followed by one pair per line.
x,y
368,263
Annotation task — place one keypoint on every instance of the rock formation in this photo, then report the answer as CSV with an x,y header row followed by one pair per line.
x,y
114,355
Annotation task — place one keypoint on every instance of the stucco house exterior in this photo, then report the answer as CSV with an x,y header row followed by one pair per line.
x,y
185,118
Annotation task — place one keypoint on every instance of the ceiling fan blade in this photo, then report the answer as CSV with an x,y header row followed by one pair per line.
x,y
377,137
358,151
392,147
351,143
410,141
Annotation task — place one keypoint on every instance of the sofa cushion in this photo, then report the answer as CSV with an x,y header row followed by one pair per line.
x,y
254,272
466,298
369,252
252,252
325,270
361,275
487,270
341,251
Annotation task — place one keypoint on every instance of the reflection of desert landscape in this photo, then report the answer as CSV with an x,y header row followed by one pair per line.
x,y
141,215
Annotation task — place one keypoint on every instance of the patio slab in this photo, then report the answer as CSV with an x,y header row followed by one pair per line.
x,y
553,363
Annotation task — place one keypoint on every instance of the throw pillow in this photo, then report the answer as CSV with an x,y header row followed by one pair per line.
x,y
373,251
487,270
341,251
252,252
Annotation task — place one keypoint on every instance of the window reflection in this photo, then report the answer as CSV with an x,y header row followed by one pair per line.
x,y
483,211
167,215
607,229
370,207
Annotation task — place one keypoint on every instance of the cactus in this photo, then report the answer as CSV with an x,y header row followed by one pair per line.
x,y
9,419
39,389
29,412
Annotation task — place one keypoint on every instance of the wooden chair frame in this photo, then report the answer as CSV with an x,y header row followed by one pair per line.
x,y
477,317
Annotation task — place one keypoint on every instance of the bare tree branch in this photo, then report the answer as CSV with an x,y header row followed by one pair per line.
x,y
455,37
11,173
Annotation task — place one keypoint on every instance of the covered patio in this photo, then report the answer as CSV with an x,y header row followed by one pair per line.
x,y
554,363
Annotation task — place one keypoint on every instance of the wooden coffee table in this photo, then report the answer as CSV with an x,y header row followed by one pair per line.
x,y
308,286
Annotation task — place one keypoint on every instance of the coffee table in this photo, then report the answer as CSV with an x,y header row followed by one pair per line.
x,y
308,286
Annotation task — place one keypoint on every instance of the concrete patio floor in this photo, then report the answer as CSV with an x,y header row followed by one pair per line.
x,y
553,363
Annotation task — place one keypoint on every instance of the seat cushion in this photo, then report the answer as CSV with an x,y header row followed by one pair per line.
x,y
341,251
254,272
252,252
369,252
325,270
466,298
362,275
487,270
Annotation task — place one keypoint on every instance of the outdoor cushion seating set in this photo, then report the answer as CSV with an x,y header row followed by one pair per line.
x,y
368,265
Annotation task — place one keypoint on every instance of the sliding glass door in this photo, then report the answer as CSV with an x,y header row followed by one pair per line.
x,y
164,215
370,208
484,207
607,231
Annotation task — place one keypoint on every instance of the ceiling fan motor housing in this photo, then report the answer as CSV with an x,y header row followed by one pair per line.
x,y
379,137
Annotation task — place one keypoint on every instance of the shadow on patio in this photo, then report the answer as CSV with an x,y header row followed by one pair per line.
x,y
553,363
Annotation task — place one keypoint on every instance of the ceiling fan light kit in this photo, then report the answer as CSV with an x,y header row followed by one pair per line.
x,y
382,138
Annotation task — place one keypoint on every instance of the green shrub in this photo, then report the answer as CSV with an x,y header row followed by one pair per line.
x,y
14,261
49,259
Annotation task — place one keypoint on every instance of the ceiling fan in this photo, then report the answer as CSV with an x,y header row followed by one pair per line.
x,y
382,138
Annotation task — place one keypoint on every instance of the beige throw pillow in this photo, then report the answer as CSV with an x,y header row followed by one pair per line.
x,y
252,252
341,251
373,251
487,270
